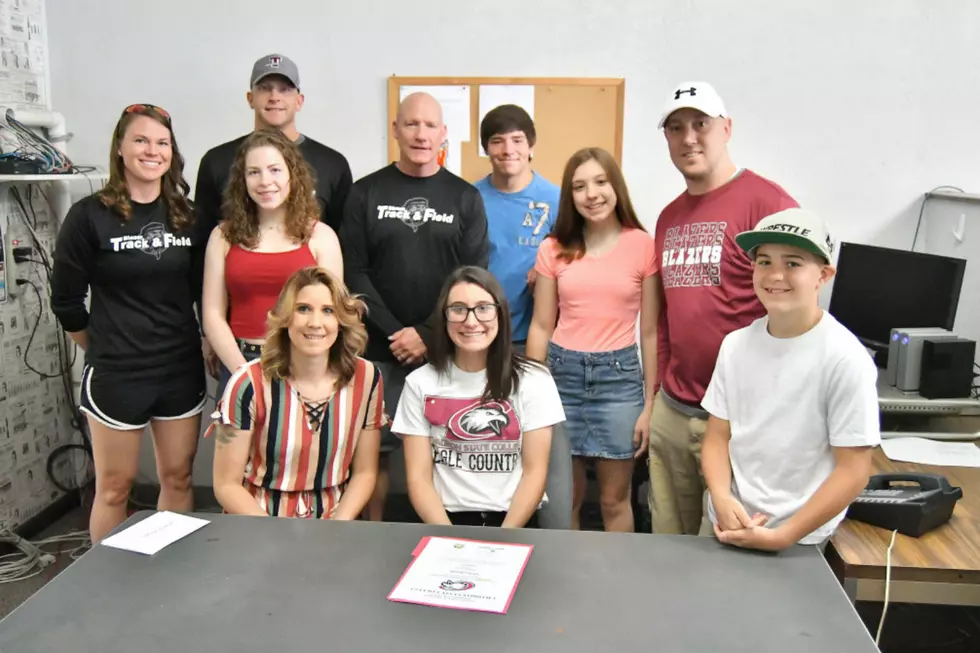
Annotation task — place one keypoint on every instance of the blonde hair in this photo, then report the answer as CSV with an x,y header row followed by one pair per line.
x,y
351,333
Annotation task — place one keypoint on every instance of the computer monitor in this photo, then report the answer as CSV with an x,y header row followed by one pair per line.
x,y
877,289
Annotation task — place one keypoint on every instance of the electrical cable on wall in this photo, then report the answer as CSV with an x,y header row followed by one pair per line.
x,y
62,465
922,208
30,152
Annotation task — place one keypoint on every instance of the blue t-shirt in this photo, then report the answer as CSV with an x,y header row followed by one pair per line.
x,y
517,223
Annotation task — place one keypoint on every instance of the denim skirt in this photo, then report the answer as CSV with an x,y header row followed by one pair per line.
x,y
602,394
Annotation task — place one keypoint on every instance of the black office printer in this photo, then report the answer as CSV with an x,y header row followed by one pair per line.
x,y
912,504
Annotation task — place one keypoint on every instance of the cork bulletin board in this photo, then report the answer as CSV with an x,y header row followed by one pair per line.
x,y
568,114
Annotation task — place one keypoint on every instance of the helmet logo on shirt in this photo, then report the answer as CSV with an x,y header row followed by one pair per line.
x,y
414,215
154,239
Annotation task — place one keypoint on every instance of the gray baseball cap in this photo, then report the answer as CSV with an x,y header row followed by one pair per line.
x,y
274,64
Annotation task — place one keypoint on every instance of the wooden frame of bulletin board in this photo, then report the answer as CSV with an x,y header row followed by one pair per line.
x,y
568,114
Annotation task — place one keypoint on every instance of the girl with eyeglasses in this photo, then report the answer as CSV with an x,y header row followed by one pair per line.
x,y
476,420
136,246
597,281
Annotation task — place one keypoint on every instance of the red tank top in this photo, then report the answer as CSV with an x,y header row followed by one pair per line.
x,y
254,280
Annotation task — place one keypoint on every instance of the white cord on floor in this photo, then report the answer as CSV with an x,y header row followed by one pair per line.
x,y
31,558
888,584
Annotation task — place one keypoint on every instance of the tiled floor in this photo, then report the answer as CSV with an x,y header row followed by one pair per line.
x,y
908,628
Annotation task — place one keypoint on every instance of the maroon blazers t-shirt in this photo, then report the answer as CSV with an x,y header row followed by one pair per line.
x,y
707,278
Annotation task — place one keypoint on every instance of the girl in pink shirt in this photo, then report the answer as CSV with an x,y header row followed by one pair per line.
x,y
597,276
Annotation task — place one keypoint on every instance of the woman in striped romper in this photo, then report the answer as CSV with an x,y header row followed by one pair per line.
x,y
298,430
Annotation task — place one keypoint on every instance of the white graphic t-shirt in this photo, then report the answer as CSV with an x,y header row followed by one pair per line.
x,y
476,445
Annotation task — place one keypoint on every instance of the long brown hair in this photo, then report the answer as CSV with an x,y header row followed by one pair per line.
x,y
504,364
173,187
351,333
570,225
240,224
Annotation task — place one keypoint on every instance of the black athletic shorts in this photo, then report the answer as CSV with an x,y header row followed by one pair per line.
x,y
127,400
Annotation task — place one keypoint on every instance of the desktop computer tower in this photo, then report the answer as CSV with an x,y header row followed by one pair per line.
x,y
891,370
947,368
910,357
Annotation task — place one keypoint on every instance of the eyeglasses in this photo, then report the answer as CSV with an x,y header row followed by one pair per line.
x,y
482,312
137,108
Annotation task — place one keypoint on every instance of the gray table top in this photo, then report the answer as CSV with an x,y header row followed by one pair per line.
x,y
264,584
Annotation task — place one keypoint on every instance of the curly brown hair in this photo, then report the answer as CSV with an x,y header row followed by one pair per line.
x,y
240,223
351,334
569,229
174,188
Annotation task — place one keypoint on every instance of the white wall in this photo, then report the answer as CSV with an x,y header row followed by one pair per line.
x,y
856,108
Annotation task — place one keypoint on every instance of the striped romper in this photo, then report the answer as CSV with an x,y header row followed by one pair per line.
x,y
296,469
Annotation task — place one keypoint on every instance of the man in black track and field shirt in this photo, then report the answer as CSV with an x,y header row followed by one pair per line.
x,y
405,228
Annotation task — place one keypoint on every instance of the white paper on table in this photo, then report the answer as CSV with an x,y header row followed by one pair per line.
x,y
455,102
463,575
492,96
155,532
932,452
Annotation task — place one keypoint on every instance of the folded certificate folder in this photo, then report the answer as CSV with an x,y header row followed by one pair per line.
x,y
463,574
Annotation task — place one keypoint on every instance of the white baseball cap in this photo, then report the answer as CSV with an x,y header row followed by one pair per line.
x,y
794,226
693,95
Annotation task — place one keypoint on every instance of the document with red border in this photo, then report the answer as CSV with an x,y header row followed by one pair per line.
x,y
463,574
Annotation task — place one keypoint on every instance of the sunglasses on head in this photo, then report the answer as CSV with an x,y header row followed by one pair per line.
x,y
137,108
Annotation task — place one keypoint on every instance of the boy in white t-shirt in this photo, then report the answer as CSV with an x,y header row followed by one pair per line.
x,y
793,401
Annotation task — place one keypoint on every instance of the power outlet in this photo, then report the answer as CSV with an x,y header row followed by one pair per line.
x,y
4,257
10,267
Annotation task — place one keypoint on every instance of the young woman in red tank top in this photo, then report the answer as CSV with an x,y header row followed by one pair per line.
x,y
270,228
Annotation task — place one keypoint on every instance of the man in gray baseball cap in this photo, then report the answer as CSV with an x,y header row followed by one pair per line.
x,y
274,96
275,64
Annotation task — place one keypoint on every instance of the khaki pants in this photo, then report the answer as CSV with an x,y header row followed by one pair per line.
x,y
676,484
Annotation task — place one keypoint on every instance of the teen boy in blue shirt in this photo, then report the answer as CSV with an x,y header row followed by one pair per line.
x,y
522,207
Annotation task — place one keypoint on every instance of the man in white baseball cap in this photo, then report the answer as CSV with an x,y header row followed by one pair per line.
x,y
793,401
707,289
699,96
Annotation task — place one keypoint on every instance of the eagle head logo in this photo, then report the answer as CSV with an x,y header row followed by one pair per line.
x,y
485,419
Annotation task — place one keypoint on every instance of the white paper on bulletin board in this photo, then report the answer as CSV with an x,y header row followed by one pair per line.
x,y
454,163
492,96
455,102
